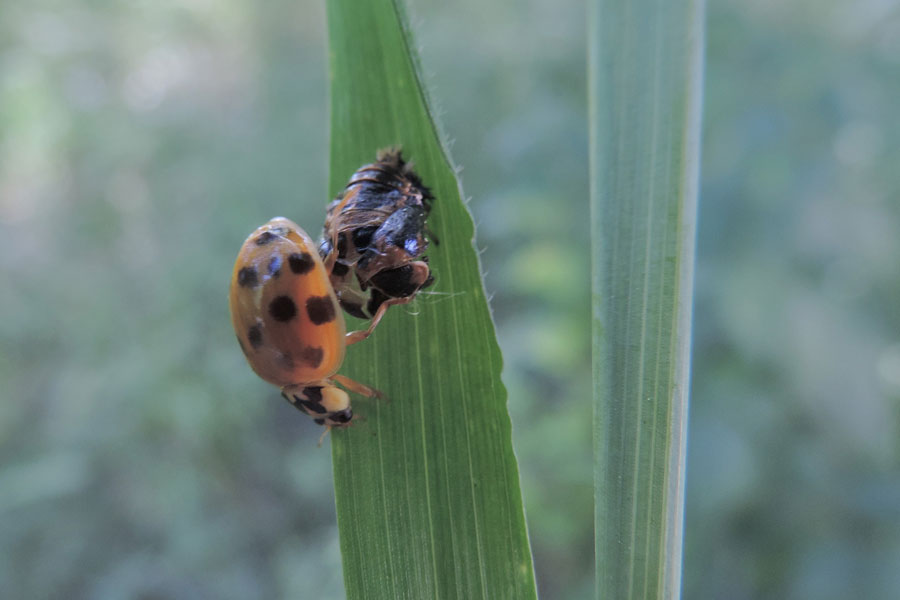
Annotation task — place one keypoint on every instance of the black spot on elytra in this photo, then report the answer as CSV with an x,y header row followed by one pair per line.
x,y
247,277
301,263
264,238
312,356
320,309
275,266
287,361
340,269
319,421
283,309
254,335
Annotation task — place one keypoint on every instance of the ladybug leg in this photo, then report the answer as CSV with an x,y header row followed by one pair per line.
x,y
357,387
358,336
324,435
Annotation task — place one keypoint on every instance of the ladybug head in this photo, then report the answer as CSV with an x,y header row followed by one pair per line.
x,y
327,404
340,418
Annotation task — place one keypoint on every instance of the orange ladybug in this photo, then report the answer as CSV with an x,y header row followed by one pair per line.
x,y
289,324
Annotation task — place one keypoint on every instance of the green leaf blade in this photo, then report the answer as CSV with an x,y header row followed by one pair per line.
x,y
427,487
645,86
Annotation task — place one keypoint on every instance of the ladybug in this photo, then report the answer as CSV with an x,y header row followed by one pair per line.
x,y
289,324
377,224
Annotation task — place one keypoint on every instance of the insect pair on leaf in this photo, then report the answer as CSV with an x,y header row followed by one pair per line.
x,y
287,292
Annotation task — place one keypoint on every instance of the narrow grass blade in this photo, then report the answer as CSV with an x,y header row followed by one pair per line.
x,y
427,486
645,70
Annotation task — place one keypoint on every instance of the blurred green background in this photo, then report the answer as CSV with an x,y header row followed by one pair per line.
x,y
140,142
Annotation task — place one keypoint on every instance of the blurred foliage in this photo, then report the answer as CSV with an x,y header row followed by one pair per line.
x,y
793,480
139,144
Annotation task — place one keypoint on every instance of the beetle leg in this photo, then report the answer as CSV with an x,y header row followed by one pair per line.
x,y
358,336
357,387
324,435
